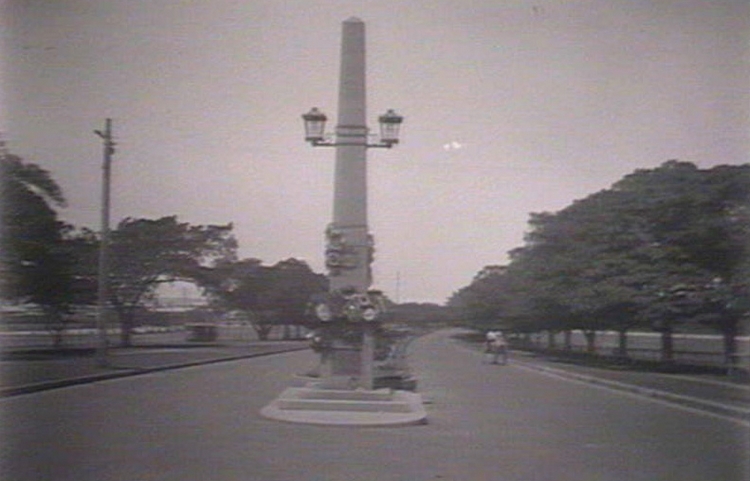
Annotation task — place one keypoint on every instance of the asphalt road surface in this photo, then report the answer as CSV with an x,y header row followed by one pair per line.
x,y
486,422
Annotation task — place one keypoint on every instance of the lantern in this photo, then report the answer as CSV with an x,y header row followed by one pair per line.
x,y
390,122
315,123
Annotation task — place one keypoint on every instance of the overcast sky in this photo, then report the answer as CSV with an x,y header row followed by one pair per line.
x,y
511,107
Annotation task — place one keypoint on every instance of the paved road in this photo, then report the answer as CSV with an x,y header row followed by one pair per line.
x,y
486,422
715,393
35,370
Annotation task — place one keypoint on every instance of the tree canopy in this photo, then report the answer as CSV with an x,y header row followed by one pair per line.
x,y
55,265
267,295
660,247
34,268
146,253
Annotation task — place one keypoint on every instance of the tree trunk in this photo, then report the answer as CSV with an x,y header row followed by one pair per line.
x,y
56,326
551,341
568,340
126,334
263,331
590,336
729,334
622,347
667,343
126,326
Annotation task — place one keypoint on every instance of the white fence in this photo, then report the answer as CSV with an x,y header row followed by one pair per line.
x,y
701,349
89,338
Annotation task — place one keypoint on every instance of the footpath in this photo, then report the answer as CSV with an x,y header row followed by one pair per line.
x,y
24,371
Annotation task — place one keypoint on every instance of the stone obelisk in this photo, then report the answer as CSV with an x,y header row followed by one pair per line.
x,y
346,395
350,181
349,225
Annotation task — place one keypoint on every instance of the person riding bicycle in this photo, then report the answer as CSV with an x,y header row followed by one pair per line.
x,y
497,346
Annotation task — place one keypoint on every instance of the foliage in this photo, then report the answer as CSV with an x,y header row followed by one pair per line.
x,y
659,248
145,253
32,256
418,315
267,295
485,301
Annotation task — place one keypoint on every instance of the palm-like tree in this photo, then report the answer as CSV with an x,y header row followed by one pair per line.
x,y
30,233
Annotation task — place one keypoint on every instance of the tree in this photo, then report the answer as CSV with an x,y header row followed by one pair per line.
x,y
146,253
419,315
662,247
291,285
573,267
32,261
482,303
267,295
81,249
698,220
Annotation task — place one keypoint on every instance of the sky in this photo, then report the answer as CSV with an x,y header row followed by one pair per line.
x,y
511,107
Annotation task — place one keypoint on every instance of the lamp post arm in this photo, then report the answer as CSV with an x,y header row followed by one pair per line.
x,y
380,145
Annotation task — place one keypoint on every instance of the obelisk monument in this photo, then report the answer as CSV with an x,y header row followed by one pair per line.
x,y
350,181
350,313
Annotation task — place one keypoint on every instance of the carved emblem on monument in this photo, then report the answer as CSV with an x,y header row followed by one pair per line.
x,y
339,253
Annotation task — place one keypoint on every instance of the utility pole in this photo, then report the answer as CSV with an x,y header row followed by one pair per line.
x,y
103,271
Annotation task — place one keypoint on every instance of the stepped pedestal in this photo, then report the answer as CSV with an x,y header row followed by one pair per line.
x,y
344,407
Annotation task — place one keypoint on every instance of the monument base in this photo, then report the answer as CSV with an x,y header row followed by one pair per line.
x,y
343,363
315,404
